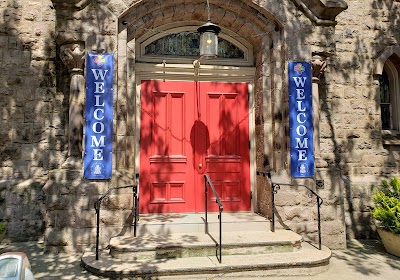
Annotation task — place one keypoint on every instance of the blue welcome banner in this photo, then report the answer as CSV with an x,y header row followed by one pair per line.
x,y
300,120
99,116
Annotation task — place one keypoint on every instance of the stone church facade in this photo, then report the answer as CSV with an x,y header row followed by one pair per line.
x,y
354,48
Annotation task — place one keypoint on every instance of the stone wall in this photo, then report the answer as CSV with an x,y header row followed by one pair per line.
x,y
353,158
28,82
34,98
29,106
22,208
70,215
351,127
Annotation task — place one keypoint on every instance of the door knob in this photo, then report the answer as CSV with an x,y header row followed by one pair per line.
x,y
200,165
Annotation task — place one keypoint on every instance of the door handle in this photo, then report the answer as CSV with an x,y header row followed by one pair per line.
x,y
200,165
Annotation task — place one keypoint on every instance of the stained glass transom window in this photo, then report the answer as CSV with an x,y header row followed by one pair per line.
x,y
187,44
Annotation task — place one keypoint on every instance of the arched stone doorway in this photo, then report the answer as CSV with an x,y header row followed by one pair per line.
x,y
252,29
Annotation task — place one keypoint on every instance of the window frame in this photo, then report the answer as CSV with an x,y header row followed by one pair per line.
x,y
160,32
394,90
389,59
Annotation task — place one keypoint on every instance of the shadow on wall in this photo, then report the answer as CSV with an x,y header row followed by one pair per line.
x,y
350,105
29,106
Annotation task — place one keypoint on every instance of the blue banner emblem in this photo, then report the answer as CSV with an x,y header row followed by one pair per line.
x,y
99,116
301,120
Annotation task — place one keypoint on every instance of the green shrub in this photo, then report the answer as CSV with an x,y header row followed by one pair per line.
x,y
387,205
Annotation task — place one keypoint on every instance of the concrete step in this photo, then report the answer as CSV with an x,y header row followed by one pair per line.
x,y
176,244
186,245
157,224
306,261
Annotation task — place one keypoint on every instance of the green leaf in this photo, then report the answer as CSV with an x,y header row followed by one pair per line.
x,y
387,205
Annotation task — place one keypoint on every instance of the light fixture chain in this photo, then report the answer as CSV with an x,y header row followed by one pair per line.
x,y
208,11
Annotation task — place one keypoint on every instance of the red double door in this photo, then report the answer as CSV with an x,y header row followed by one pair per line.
x,y
189,129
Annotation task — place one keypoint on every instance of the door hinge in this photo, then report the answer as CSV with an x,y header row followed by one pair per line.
x,y
251,195
249,144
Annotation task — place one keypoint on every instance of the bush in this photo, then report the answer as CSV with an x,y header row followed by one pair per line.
x,y
387,205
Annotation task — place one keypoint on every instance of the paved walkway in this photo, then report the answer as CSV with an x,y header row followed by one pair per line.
x,y
363,260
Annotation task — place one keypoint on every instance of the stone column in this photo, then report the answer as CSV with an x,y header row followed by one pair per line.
x,y
318,68
73,56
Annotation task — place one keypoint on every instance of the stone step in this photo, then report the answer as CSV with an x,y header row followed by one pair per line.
x,y
306,261
162,224
176,244
195,244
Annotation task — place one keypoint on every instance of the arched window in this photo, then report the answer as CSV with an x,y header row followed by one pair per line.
x,y
186,43
387,70
389,96
384,90
180,44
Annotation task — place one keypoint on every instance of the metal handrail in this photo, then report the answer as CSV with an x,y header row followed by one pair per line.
x,y
274,190
136,204
135,208
207,182
97,205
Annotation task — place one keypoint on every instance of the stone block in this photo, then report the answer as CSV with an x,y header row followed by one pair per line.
x,y
123,202
27,151
58,237
297,214
359,224
3,42
82,203
116,218
16,58
85,236
23,230
328,213
51,188
7,172
25,212
333,227
92,188
293,197
109,232
334,242
58,202
86,219
49,218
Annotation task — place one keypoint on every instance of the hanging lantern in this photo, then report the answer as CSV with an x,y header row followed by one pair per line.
x,y
209,40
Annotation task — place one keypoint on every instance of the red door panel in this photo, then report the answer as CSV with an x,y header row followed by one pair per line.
x,y
165,155
188,129
228,162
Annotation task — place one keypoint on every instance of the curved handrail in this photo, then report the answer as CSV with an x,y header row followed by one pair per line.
x,y
274,190
299,185
97,205
218,200
207,182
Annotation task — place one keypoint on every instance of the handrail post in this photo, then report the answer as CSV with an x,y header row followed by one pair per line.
x,y
206,197
135,203
274,190
273,206
220,236
97,208
319,222
135,209
207,182
97,205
